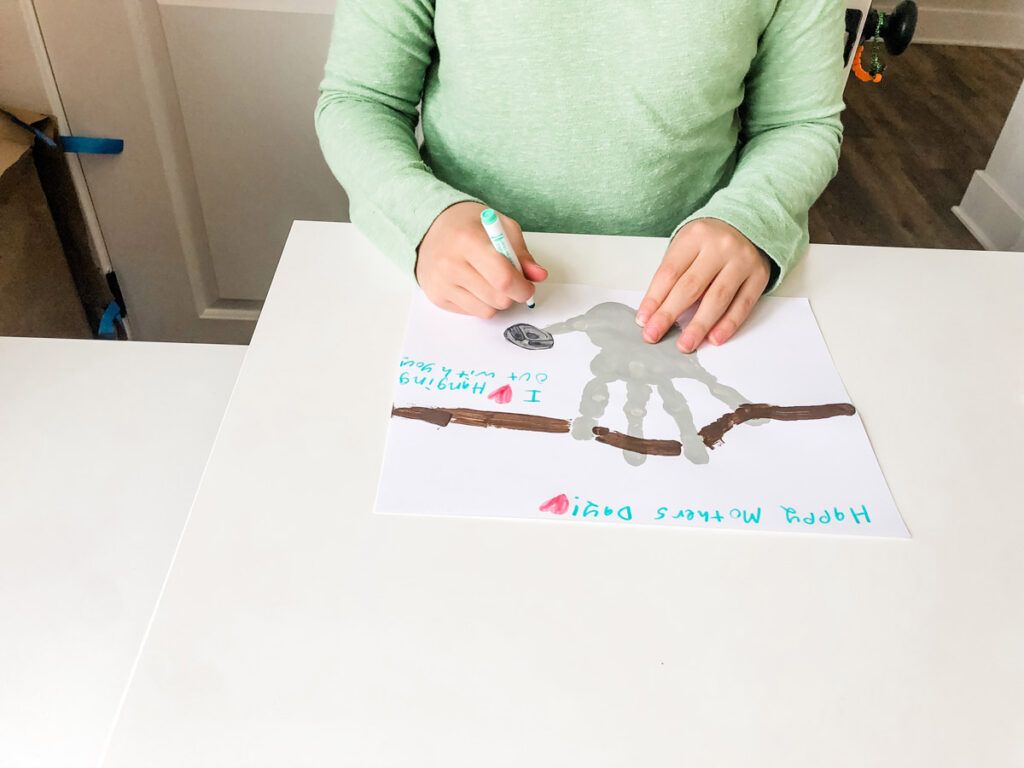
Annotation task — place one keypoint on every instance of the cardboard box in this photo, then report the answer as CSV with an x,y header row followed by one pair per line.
x,y
38,293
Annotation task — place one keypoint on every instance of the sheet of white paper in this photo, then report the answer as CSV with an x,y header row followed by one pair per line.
x,y
806,476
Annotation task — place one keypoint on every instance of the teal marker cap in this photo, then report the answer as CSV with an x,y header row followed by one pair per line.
x,y
489,216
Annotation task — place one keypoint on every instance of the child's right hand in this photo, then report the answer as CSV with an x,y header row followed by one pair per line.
x,y
459,270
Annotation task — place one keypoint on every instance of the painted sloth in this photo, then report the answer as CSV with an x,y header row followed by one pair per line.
x,y
625,356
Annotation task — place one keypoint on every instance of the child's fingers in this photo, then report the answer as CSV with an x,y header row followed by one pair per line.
x,y
450,306
717,299
445,302
738,311
688,288
678,258
504,279
469,304
478,285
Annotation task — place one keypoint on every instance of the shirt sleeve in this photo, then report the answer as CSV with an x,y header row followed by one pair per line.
x,y
790,132
366,117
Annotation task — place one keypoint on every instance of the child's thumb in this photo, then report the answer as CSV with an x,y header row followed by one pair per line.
x,y
533,271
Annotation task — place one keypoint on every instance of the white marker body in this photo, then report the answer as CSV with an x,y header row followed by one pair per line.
x,y
500,241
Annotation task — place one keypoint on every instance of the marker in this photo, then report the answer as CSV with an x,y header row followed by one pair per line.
x,y
500,241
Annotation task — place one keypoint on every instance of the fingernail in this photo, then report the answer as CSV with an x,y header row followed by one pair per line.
x,y
639,321
650,335
686,343
715,338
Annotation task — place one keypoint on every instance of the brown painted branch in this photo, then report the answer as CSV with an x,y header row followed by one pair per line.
x,y
442,417
638,444
711,434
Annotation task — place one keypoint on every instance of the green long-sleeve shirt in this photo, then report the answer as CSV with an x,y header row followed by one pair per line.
x,y
626,117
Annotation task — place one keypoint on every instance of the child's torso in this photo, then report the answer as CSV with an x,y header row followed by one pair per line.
x,y
589,115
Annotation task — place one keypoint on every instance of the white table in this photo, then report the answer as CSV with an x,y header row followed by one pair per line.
x,y
101,448
299,629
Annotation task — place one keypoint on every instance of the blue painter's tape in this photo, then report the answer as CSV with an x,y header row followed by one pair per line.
x,y
111,315
39,134
90,146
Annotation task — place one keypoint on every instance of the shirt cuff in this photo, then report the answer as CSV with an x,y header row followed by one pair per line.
x,y
398,232
765,236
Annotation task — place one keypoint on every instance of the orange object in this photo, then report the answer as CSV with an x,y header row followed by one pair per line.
x,y
860,72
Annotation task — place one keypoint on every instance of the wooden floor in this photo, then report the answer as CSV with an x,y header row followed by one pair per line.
x,y
911,144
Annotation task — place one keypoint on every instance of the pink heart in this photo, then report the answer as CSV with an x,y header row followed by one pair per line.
x,y
501,395
557,506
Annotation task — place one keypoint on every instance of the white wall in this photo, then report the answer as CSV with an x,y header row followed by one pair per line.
x,y
22,59
996,23
993,206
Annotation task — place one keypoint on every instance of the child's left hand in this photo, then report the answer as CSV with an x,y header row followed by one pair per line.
x,y
707,258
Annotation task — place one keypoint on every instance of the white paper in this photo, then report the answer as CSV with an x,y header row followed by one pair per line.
x,y
806,476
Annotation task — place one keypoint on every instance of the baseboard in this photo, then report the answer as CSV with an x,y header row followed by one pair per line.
x,y
994,29
988,212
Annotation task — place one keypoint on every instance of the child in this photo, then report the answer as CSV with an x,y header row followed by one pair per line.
x,y
714,121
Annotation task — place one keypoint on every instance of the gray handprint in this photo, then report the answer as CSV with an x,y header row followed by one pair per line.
x,y
625,356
